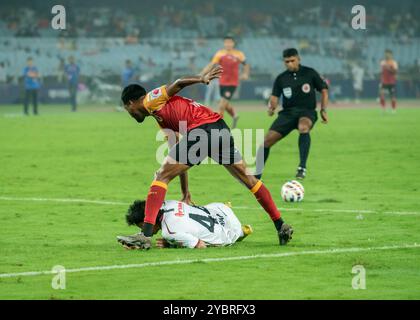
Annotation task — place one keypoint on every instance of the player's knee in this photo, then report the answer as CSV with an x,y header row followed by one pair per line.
x,y
304,127
223,103
268,143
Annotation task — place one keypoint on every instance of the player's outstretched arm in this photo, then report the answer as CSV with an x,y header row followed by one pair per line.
x,y
186,195
324,103
207,68
245,72
214,72
272,105
183,177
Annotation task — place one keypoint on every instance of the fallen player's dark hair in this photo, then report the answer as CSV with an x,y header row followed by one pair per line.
x,y
135,213
291,52
132,92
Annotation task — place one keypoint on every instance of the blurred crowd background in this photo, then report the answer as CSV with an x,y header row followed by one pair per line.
x,y
163,39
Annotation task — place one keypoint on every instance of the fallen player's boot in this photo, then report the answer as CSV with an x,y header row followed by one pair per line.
x,y
136,241
285,234
247,230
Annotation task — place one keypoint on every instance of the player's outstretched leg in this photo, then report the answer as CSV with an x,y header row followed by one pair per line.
x,y
264,151
222,106
232,112
393,100
168,171
225,105
304,127
382,98
263,196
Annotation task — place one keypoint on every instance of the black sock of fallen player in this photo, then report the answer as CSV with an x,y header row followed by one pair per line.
x,y
262,153
304,145
147,229
278,223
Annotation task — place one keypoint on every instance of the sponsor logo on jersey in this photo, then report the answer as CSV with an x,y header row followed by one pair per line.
x,y
287,92
306,87
156,93
180,212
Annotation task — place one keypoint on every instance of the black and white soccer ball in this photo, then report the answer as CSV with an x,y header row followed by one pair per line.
x,y
292,191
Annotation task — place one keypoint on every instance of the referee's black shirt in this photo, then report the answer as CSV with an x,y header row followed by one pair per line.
x,y
298,88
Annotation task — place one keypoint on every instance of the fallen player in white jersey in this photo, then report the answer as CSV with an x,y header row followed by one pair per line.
x,y
188,226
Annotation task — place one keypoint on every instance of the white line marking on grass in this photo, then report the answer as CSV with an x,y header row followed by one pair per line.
x,y
118,203
64,200
336,210
209,260
402,213
13,115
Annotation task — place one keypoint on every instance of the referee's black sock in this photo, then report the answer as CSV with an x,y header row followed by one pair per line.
x,y
262,153
304,145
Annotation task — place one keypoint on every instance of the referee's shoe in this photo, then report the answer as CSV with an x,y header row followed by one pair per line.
x,y
301,173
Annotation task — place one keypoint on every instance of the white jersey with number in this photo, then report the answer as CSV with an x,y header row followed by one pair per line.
x,y
184,225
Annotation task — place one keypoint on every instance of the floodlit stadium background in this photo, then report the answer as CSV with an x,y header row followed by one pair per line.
x,y
166,39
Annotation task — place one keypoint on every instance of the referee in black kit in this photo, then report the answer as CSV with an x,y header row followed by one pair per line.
x,y
297,87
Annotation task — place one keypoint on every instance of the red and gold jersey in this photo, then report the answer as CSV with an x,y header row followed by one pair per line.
x,y
170,111
389,71
230,61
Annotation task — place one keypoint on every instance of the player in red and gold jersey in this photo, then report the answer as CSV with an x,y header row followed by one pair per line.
x,y
230,59
204,134
389,68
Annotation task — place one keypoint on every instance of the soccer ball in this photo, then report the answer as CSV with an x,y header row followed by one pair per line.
x,y
292,191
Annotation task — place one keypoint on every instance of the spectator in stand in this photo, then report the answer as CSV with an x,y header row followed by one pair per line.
x,y
31,78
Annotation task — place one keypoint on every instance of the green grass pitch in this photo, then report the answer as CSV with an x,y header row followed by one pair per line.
x,y
362,191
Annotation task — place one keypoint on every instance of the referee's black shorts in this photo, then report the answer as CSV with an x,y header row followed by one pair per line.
x,y
288,120
212,140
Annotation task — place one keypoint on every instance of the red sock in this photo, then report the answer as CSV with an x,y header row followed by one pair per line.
x,y
154,201
382,98
394,103
266,201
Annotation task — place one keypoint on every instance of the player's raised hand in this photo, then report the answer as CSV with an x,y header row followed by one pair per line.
x,y
324,116
244,76
271,109
215,71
